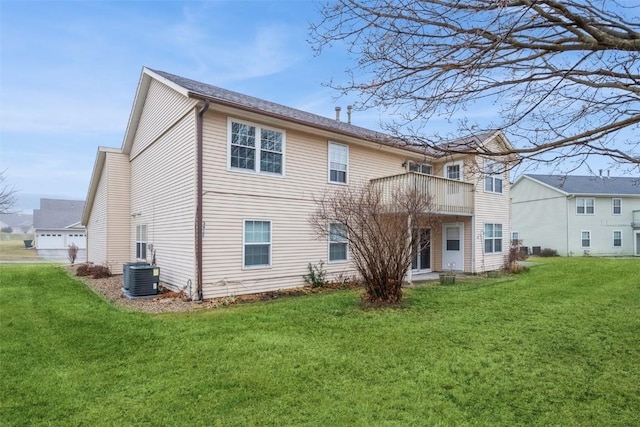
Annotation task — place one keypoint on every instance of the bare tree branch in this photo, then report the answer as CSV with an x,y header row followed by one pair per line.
x,y
8,198
564,76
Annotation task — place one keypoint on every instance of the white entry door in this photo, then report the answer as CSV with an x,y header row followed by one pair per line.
x,y
452,247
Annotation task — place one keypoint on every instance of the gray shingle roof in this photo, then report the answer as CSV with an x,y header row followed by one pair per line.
x,y
591,184
55,213
246,102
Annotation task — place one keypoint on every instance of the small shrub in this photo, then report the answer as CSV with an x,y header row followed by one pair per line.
x,y
6,229
546,252
317,275
100,271
72,253
83,270
516,254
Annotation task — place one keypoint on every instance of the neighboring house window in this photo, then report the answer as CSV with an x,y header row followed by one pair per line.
x,y
617,206
453,171
515,238
141,242
338,163
585,239
420,168
617,239
255,149
492,238
493,177
257,243
337,242
585,206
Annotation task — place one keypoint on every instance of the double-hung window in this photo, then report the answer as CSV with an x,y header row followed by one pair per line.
x,y
337,242
453,171
254,148
420,168
492,238
585,206
141,242
338,163
585,239
616,206
257,244
492,177
617,239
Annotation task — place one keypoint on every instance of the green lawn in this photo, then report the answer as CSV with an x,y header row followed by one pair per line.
x,y
12,247
559,345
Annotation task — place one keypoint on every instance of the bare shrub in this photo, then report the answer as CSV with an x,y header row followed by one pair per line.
x,y
547,252
100,271
83,270
377,226
515,255
72,253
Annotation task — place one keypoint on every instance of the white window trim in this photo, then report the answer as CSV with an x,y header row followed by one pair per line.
x,y
244,226
410,163
493,177
613,235
336,261
581,239
484,246
257,170
145,241
613,206
585,205
329,163
454,163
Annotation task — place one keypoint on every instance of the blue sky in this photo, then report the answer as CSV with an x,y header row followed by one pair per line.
x,y
69,71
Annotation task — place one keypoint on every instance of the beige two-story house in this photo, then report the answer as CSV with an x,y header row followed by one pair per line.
x,y
217,187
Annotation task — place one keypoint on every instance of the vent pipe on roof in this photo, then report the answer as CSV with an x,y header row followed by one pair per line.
x,y
338,113
349,109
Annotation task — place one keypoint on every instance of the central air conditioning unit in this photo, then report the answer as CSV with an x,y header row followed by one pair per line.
x,y
126,272
143,280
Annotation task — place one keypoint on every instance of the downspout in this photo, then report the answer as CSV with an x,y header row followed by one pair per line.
x,y
199,189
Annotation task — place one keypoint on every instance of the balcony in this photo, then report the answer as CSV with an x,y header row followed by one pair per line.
x,y
449,197
635,223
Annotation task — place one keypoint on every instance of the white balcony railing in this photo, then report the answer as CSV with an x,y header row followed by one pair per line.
x,y
448,196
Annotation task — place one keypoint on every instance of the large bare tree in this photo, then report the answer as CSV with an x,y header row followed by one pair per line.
x,y
376,223
563,75
8,196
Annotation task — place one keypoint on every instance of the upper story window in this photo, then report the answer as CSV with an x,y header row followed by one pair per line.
x,y
493,177
419,167
453,170
585,206
616,205
338,163
253,148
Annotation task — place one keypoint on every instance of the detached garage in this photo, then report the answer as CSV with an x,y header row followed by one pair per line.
x,y
57,224
60,239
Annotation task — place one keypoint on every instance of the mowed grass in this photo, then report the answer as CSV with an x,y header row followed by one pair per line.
x,y
559,345
12,247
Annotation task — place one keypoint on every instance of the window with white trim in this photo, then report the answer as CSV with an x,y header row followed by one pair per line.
x,y
338,163
585,206
337,242
492,176
420,167
253,148
617,239
616,206
453,171
257,244
585,239
141,241
515,238
492,238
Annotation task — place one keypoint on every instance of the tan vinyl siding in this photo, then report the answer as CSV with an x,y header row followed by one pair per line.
x,y
119,211
163,107
232,197
163,179
97,224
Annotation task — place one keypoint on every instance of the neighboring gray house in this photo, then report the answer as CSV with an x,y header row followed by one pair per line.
x,y
19,223
577,215
57,224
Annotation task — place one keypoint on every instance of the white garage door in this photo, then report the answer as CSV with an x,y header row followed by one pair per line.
x,y
77,239
50,241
